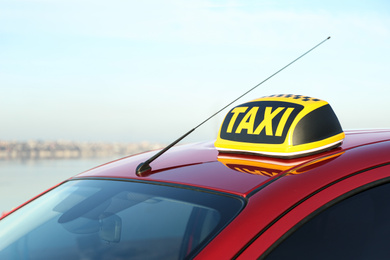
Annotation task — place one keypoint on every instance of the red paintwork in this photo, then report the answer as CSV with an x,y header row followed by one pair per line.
x,y
197,165
286,191
360,150
274,204
310,205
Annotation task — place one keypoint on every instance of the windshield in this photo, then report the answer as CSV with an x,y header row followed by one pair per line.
x,y
103,219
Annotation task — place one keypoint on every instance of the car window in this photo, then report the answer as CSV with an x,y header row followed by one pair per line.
x,y
101,219
355,228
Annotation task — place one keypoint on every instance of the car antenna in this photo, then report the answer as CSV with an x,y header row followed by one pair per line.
x,y
145,166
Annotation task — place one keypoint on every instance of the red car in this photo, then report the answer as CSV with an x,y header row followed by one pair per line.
x,y
282,181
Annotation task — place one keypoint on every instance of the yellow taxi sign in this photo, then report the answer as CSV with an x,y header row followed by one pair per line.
x,y
286,126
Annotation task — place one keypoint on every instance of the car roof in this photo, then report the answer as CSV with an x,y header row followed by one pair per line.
x,y
201,165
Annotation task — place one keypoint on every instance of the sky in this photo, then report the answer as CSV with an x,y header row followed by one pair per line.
x,y
131,71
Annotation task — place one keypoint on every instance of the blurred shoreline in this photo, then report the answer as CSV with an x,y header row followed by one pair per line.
x,y
26,150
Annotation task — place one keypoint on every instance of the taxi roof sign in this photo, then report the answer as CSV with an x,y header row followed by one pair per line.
x,y
286,126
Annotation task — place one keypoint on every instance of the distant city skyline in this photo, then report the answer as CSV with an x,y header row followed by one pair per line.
x,y
130,71
60,149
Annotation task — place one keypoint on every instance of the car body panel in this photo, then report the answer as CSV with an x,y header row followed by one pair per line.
x,y
278,194
355,183
277,199
288,192
186,164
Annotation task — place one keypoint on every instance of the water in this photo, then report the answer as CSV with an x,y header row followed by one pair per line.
x,y
22,180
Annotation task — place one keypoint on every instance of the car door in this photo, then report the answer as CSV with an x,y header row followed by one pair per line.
x,y
346,220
